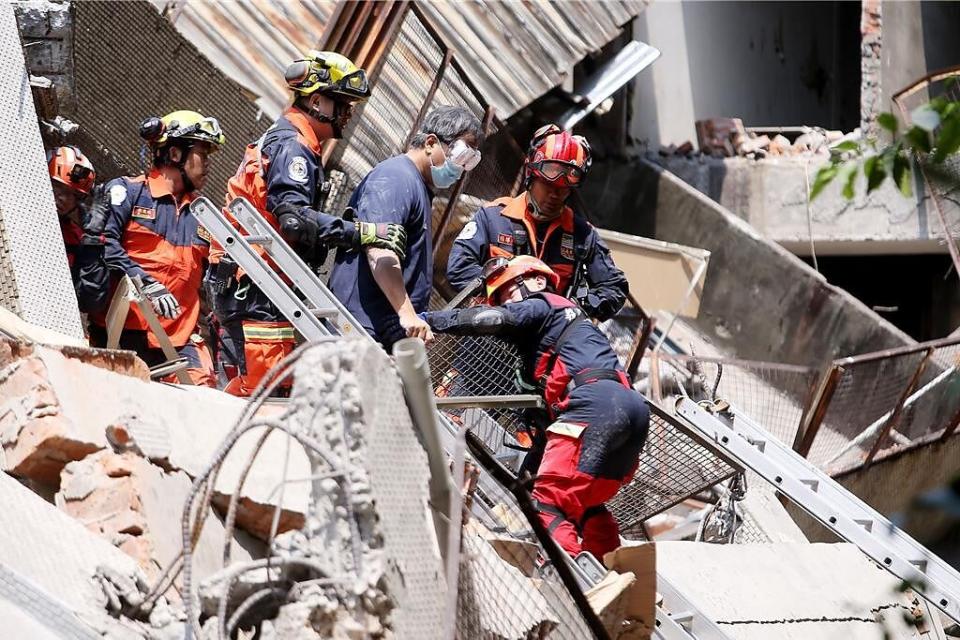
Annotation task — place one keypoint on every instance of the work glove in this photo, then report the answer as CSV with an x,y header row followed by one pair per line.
x,y
163,302
383,236
220,275
96,219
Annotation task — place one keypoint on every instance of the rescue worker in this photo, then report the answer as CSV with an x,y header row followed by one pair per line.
x,y
538,222
599,423
72,177
282,176
151,233
383,289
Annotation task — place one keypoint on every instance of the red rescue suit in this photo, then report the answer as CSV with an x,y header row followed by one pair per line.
x,y
599,423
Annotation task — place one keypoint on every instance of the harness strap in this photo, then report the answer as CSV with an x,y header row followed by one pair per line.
x,y
561,340
589,376
553,510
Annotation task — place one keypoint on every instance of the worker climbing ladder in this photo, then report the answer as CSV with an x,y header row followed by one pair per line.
x,y
745,444
318,313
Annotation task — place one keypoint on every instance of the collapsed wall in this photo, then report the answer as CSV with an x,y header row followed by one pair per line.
x,y
759,302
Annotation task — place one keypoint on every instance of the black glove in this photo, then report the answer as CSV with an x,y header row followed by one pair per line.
x,y
382,236
298,229
164,302
220,275
95,219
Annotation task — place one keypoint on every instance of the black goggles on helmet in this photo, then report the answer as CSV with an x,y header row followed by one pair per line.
x,y
79,173
353,85
493,267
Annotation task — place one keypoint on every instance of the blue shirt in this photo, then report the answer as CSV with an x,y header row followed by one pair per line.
x,y
394,191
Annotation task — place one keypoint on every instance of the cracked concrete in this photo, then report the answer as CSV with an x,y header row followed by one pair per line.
x,y
790,591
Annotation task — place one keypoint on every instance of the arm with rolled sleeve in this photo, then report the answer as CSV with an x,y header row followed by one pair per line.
x,y
608,286
118,217
469,252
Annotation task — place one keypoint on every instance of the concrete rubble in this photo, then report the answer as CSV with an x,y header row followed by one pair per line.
x,y
728,138
793,591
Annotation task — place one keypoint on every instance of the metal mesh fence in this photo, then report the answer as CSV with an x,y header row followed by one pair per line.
x,y
672,468
935,403
772,394
867,390
505,589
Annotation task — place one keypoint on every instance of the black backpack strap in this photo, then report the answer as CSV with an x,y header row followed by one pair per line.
x,y
561,340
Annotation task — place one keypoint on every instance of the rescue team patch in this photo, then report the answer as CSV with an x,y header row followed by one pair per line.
x,y
144,213
297,169
505,238
469,230
204,234
118,193
566,246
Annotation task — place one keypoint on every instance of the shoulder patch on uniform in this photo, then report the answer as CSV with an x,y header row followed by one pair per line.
x,y
566,246
203,234
118,193
145,213
297,169
570,313
469,230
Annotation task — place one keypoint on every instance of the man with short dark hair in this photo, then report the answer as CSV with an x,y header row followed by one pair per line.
x,y
385,291
538,222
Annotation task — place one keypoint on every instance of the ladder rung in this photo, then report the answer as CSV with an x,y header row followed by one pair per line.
x,y
262,240
325,313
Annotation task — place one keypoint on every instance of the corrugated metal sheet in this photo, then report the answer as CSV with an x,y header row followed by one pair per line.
x,y
513,50
253,41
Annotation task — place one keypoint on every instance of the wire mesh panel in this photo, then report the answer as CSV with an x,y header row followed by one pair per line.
x,y
672,468
380,126
935,404
772,394
506,590
868,389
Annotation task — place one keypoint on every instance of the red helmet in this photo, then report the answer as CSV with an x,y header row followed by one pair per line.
x,y
558,157
499,272
68,165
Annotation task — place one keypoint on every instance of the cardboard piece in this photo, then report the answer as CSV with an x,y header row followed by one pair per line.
x,y
638,602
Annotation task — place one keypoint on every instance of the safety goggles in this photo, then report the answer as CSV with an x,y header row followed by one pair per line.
x,y
207,127
79,173
463,155
494,267
354,85
553,170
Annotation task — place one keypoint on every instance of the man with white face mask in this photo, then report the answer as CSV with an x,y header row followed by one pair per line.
x,y
382,290
539,223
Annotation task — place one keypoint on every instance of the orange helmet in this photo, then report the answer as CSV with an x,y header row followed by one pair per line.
x,y
558,157
499,272
68,165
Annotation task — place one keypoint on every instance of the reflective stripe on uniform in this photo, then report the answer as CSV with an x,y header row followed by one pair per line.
x,y
267,332
571,429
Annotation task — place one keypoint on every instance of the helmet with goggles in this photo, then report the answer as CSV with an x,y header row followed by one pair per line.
x,y
181,127
500,272
329,73
557,157
68,166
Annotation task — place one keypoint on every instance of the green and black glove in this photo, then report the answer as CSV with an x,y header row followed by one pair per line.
x,y
383,236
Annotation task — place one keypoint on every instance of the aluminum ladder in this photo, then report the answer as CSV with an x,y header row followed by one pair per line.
x,y
320,314
744,444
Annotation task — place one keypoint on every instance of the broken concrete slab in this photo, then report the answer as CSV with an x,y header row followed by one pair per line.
x,y
138,507
55,553
54,410
789,591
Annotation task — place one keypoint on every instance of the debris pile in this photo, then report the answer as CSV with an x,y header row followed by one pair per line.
x,y
728,138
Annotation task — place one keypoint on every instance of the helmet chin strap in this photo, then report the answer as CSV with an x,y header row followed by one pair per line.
x,y
536,212
333,121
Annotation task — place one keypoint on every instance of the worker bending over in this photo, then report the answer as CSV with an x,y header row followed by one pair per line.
x,y
538,222
151,233
282,176
72,177
598,422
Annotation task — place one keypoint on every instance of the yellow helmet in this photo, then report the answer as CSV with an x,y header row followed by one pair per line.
x,y
330,73
181,125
